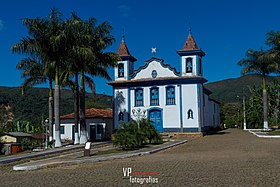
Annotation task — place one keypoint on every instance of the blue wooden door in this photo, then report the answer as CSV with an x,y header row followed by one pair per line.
x,y
155,117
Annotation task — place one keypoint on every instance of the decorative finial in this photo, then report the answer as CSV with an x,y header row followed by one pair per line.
x,y
123,36
190,29
154,49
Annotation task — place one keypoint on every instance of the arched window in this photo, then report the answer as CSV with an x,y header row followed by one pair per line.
x,y
190,114
120,70
121,116
170,95
189,65
139,97
154,97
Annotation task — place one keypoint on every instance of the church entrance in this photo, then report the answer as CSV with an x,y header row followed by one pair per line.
x,y
155,116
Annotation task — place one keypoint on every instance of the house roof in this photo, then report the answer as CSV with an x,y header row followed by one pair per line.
x,y
18,134
124,53
93,113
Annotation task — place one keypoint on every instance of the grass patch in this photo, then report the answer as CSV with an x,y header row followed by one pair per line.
x,y
275,132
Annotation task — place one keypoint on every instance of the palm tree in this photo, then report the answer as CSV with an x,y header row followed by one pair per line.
x,y
56,53
273,40
35,69
34,73
96,62
44,43
258,62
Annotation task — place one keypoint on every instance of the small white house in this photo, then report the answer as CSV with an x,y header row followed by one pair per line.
x,y
175,101
99,125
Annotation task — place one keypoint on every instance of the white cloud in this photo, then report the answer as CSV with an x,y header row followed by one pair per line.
x,y
124,10
1,25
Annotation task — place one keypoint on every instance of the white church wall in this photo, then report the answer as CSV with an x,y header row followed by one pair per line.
x,y
171,113
189,101
154,65
211,113
207,112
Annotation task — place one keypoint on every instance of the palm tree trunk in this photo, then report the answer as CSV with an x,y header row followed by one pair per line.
x,y
51,112
83,138
76,109
265,122
56,109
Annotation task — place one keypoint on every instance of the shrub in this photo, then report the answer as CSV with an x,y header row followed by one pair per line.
x,y
129,136
150,131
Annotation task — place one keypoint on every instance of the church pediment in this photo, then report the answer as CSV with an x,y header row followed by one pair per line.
x,y
155,68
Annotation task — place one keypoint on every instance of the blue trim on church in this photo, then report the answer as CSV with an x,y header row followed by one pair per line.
x,y
157,82
192,52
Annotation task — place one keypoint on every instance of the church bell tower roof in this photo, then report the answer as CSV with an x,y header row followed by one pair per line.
x,y
124,53
190,44
190,47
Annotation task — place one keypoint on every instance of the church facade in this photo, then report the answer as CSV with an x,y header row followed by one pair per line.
x,y
174,101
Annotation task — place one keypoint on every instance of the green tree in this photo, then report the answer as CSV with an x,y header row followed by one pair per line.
x,y
44,45
258,62
6,118
273,40
35,70
93,60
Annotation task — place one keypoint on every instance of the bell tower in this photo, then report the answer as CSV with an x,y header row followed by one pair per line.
x,y
191,57
125,67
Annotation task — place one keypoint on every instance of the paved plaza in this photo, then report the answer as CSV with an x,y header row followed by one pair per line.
x,y
229,158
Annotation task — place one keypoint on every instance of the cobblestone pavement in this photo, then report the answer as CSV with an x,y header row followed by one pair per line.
x,y
230,158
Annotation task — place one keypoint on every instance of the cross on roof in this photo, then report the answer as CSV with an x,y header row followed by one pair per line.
x,y
154,49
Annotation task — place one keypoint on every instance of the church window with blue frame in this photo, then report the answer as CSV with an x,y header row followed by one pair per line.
x,y
170,95
190,114
154,97
139,97
120,70
189,65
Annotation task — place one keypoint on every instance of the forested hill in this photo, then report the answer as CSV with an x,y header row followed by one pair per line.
x,y
226,91
34,103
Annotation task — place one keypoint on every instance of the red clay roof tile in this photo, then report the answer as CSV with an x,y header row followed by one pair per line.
x,y
123,50
93,113
190,44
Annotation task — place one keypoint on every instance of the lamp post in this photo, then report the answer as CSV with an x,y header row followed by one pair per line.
x,y
138,114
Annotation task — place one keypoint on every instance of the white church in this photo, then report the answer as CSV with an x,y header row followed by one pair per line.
x,y
174,101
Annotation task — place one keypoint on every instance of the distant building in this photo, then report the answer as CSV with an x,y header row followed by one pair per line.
x,y
175,101
15,137
13,141
99,125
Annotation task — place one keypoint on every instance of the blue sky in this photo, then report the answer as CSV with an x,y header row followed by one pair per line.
x,y
223,29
